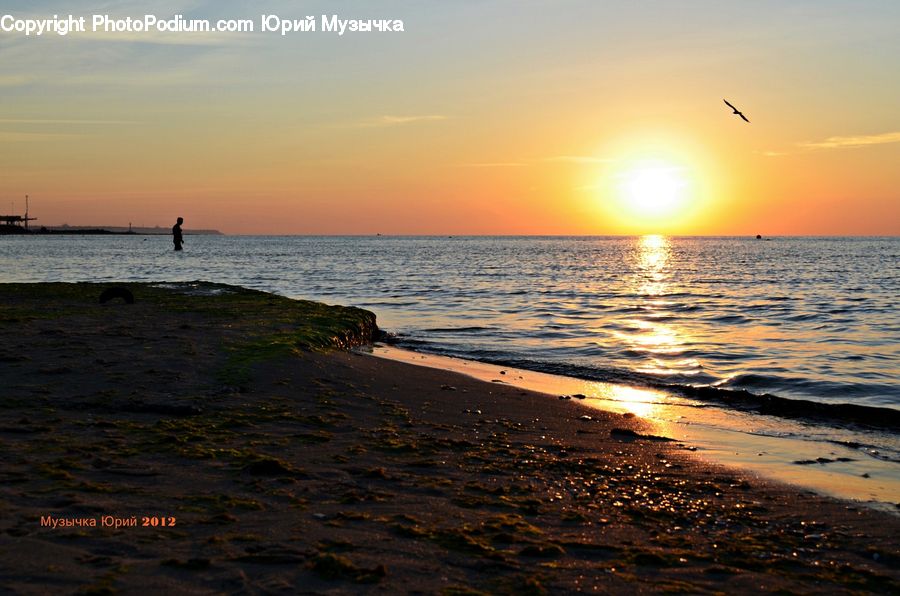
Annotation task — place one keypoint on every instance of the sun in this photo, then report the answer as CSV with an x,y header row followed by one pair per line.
x,y
653,183
653,189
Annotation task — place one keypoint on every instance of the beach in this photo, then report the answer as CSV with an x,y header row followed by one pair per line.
x,y
210,439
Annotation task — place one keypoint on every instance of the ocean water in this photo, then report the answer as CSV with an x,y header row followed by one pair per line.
x,y
813,324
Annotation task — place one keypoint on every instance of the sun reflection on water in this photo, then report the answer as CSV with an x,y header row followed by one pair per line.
x,y
653,256
644,403
637,401
660,341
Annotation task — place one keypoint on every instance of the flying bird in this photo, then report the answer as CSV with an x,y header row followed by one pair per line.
x,y
736,111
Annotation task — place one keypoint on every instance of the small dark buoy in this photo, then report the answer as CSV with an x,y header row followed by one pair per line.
x,y
758,237
111,293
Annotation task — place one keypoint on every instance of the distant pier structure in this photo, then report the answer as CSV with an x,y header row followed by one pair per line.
x,y
19,221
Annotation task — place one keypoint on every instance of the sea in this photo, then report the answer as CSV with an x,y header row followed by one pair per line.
x,y
799,333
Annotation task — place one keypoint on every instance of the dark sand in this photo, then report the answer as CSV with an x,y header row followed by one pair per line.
x,y
303,471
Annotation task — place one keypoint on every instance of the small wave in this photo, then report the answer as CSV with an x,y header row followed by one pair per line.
x,y
804,317
730,319
686,307
661,318
405,342
826,390
457,330
838,414
388,304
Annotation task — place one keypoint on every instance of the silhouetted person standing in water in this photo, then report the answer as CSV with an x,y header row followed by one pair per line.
x,y
176,234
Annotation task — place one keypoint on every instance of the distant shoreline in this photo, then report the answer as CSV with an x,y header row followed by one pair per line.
x,y
99,231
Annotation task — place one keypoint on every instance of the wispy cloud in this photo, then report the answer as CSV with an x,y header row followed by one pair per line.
x,y
51,121
15,80
15,137
41,129
210,38
574,159
579,159
837,142
853,142
399,120
494,164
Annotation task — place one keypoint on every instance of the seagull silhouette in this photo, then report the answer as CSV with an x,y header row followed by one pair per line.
x,y
736,111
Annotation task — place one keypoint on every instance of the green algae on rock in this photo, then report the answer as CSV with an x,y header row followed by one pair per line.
x,y
276,321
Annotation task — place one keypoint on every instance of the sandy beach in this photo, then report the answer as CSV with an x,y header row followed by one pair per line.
x,y
209,439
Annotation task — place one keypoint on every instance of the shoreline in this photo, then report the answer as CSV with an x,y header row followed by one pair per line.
x,y
293,469
799,408
731,438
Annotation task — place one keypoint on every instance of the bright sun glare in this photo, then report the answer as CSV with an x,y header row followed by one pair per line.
x,y
654,189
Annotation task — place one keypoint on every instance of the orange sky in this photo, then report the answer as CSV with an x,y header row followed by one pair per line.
x,y
496,117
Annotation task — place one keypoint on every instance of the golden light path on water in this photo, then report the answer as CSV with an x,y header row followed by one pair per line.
x,y
649,335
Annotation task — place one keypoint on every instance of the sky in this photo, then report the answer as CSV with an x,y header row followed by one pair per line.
x,y
481,117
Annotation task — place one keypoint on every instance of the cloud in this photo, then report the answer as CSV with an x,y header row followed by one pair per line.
x,y
576,159
163,38
853,142
836,142
493,164
399,120
15,80
580,159
43,121
35,129
16,137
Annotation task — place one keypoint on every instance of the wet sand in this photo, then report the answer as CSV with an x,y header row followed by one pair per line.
x,y
841,461
291,469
